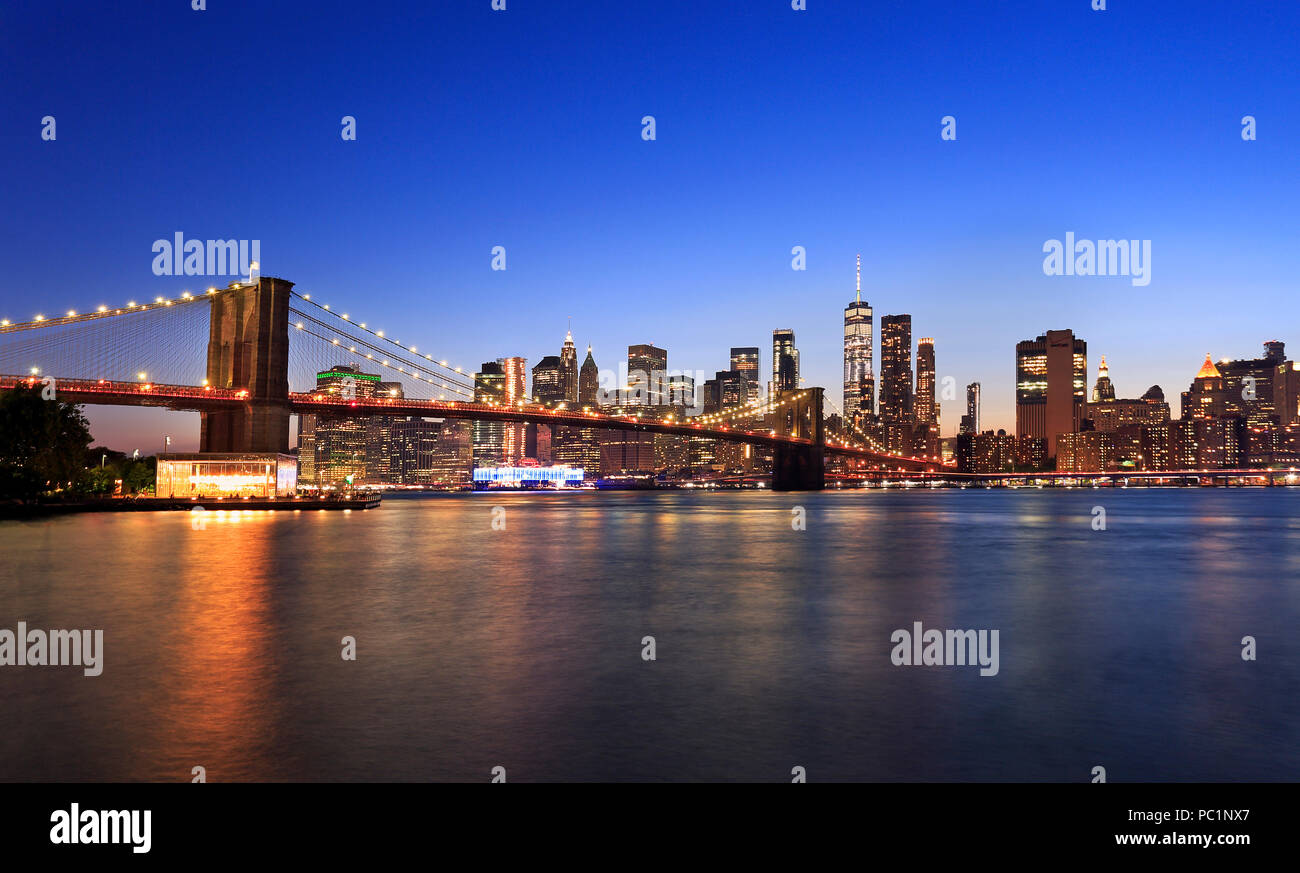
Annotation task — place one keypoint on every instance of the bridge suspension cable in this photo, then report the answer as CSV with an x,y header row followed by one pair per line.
x,y
140,341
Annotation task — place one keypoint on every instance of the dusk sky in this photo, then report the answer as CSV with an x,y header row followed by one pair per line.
x,y
775,128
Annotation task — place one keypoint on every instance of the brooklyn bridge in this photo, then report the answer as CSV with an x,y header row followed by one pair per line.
x,y
245,357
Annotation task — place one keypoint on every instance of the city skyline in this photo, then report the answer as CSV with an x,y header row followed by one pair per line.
x,y
142,422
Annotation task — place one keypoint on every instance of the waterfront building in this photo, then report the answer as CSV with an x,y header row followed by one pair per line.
x,y
1051,386
226,475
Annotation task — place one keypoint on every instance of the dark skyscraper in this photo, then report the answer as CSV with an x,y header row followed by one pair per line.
x,y
785,361
896,368
859,378
589,380
1051,386
970,422
927,409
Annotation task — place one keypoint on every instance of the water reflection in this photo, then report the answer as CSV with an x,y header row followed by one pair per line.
x,y
522,647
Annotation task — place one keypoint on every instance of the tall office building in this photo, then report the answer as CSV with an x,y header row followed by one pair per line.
x,y
926,407
896,369
383,458
646,394
859,377
404,450
569,369
514,390
744,360
588,380
970,422
785,361
1051,386
1286,392
1208,397
1249,384
452,465
548,390
338,443
548,381
646,366
489,436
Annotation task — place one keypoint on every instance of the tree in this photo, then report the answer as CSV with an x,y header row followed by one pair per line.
x,y
42,444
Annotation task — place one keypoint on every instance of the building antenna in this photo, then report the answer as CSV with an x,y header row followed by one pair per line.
x,y
859,277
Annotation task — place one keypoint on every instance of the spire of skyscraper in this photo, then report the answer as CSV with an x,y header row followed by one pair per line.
x,y
859,277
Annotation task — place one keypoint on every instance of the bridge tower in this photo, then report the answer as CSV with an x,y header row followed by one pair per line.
x,y
796,467
248,347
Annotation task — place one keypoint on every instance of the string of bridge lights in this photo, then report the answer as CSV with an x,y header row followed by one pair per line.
x,y
378,334
432,380
103,311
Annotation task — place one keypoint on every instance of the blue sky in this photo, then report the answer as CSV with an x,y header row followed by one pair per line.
x,y
775,128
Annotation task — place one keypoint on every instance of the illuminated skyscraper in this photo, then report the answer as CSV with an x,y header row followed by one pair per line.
x,y
580,446
548,381
859,377
489,436
1249,385
646,366
1051,386
338,443
645,393
548,389
569,369
1208,397
927,409
896,369
516,372
744,361
785,361
1103,390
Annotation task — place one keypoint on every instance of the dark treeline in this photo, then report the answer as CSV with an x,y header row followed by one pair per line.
x,y
46,453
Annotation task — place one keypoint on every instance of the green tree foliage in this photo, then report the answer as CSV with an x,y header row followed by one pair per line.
x,y
42,445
